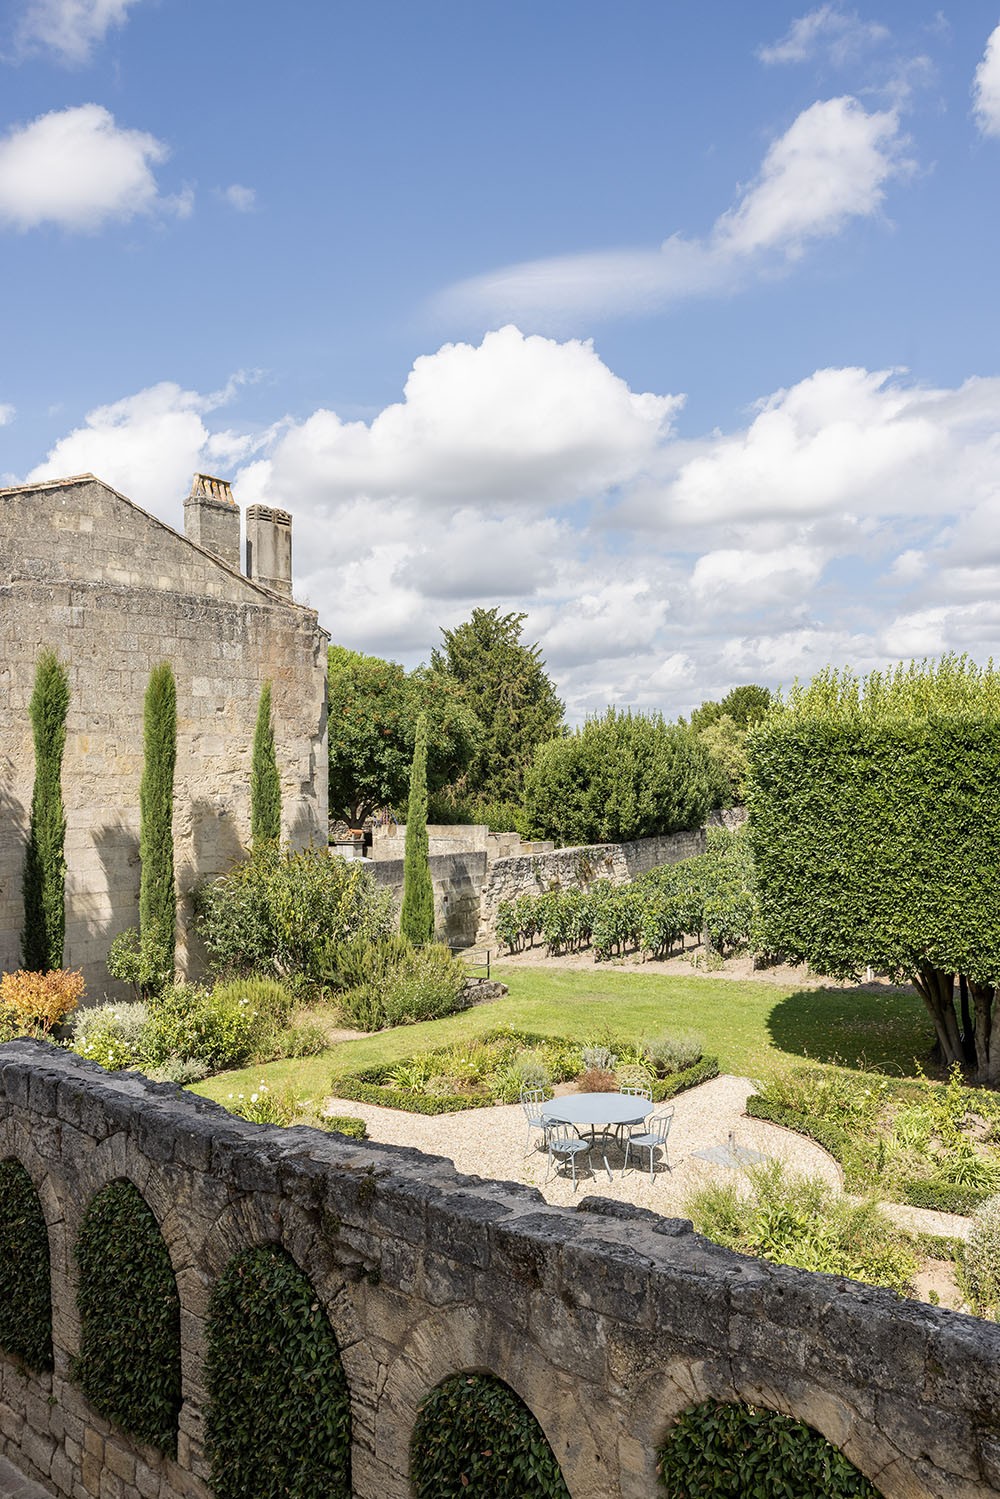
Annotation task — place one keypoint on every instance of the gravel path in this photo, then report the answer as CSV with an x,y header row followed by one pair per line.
x,y
492,1143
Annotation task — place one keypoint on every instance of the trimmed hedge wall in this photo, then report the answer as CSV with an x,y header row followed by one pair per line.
x,y
475,1437
279,1418
25,1286
678,1082
720,1451
830,1136
129,1363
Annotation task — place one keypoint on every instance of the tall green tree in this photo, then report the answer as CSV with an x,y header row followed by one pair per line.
x,y
372,719
619,777
265,783
416,919
157,897
505,682
875,824
44,878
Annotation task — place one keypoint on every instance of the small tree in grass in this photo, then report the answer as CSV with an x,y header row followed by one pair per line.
x,y
44,878
157,899
265,785
417,916
875,825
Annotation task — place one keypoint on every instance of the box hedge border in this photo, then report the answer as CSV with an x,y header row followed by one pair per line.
x,y
364,1085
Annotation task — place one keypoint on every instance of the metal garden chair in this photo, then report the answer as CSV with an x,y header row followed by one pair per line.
x,y
653,1138
634,1082
533,1101
564,1146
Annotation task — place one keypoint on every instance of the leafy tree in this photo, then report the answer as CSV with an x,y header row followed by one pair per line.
x,y
619,777
157,898
373,709
44,879
745,705
723,728
416,919
265,785
875,823
505,683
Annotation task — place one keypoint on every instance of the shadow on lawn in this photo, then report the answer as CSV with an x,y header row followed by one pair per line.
x,y
886,1030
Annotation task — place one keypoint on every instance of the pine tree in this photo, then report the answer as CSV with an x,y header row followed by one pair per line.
x,y
265,786
157,899
417,916
44,878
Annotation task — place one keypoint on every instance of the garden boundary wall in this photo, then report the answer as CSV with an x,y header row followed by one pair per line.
x,y
608,1322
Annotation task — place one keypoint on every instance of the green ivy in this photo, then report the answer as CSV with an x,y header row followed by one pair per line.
x,y
279,1416
129,1363
475,1438
25,1288
721,1451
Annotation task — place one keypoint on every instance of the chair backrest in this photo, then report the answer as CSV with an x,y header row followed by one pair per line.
x,y
635,1081
642,1090
561,1134
532,1100
658,1124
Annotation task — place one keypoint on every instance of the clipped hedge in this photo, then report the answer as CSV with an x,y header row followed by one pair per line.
x,y
129,1364
728,1451
279,1414
25,1287
945,1196
830,1136
475,1436
359,1089
689,1077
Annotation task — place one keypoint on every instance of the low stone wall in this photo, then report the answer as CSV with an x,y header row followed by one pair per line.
x,y
607,1322
577,868
457,880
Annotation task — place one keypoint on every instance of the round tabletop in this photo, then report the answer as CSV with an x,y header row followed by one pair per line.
x,y
597,1108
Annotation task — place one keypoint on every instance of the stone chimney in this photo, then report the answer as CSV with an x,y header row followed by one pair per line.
x,y
269,548
212,518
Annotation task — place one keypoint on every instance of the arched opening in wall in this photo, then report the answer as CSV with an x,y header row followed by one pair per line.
x,y
279,1411
25,1285
129,1364
475,1436
727,1451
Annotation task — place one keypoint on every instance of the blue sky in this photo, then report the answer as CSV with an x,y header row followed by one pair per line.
x,y
672,324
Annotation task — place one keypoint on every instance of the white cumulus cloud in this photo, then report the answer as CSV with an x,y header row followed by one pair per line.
x,y
986,87
243,199
827,31
68,29
78,169
6,413
832,165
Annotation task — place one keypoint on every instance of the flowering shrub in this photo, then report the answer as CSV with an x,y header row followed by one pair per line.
x,y
111,1035
40,1000
982,1257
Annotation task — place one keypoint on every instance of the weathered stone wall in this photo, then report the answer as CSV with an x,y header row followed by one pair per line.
x,y
113,591
457,880
607,1322
389,842
576,868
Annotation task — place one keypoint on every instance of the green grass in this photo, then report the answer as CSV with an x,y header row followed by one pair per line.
x,y
753,1028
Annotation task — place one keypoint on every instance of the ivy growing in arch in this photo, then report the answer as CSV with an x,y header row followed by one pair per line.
x,y
129,1365
25,1286
730,1451
278,1424
476,1439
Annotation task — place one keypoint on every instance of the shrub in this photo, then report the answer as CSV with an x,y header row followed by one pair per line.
x,y
305,1040
531,1070
407,985
266,997
981,1257
797,1220
181,1070
599,1059
129,1364
598,1080
190,1023
279,1412
669,1054
25,1289
141,962
286,914
345,1124
474,1435
41,1000
721,1451
262,1107
157,893
689,1077
113,1036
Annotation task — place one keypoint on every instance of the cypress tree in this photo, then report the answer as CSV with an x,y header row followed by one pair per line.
x,y
265,787
157,900
417,916
44,878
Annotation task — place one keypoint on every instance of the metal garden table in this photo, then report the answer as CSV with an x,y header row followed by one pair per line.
x,y
602,1112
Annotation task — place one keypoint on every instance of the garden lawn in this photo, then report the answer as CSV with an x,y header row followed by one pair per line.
x,y
754,1028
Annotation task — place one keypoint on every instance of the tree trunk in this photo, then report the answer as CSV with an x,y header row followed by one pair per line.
x,y
968,1027
937,989
987,1034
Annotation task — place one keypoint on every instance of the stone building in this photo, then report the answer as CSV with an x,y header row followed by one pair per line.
x,y
114,591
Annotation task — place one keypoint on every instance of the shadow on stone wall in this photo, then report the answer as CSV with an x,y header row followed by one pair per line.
x,y
883,1028
13,822
216,846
